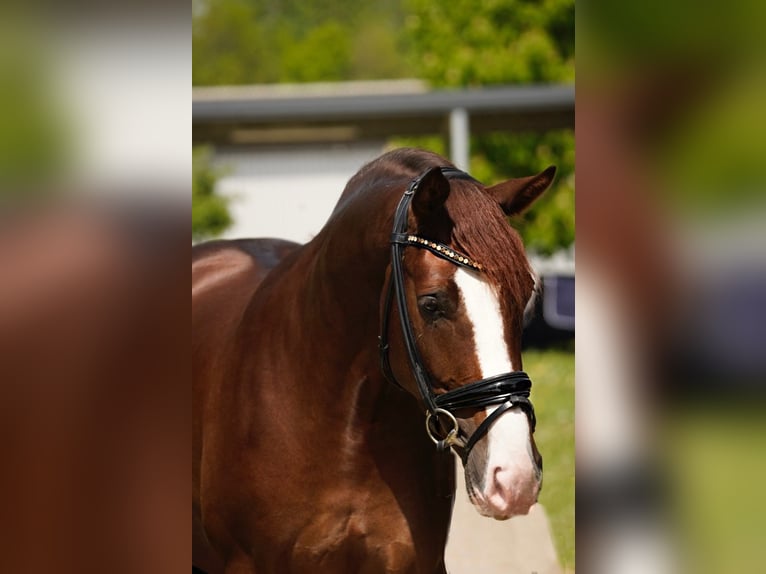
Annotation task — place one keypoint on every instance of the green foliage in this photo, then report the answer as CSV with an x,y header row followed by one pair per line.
x,y
34,129
465,43
258,41
227,43
210,214
323,55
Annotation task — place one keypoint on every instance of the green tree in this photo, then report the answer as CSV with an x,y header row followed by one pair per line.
x,y
263,41
229,44
210,213
324,54
465,43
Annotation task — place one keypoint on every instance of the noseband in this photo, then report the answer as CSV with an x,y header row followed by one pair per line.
x,y
506,390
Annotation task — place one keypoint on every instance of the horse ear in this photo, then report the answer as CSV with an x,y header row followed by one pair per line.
x,y
516,195
429,198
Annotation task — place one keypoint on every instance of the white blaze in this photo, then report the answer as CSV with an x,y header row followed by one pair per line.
x,y
508,437
483,309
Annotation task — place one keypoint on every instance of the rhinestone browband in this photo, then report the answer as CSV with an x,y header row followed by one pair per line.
x,y
438,249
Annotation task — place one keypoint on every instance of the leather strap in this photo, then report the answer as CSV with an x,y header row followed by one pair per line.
x,y
507,389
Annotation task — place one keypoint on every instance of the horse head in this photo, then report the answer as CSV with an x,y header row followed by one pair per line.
x,y
465,294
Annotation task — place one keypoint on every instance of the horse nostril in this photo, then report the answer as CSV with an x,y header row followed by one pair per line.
x,y
501,479
505,481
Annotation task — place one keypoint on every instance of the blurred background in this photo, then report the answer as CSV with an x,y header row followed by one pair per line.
x,y
90,94
291,98
95,173
94,102
671,287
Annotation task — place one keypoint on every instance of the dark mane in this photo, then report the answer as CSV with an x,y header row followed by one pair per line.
x,y
482,232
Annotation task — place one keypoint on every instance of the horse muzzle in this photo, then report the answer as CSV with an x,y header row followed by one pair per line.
x,y
509,493
509,479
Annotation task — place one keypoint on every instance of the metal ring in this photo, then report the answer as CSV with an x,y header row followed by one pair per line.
x,y
451,438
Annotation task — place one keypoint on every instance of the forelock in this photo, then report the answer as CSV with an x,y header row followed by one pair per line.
x,y
482,232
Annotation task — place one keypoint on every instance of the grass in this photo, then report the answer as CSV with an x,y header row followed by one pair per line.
x,y
714,457
552,373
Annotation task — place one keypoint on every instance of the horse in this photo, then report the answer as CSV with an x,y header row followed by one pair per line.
x,y
313,366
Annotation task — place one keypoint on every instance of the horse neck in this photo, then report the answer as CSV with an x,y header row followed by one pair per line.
x,y
343,291
340,292
346,277
336,290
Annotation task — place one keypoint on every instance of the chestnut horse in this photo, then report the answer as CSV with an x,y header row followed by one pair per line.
x,y
313,366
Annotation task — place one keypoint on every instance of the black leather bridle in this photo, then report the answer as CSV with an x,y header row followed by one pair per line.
x,y
507,390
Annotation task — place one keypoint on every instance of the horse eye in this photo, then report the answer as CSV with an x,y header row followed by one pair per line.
x,y
429,306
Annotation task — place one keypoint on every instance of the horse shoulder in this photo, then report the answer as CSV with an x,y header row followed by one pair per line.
x,y
225,277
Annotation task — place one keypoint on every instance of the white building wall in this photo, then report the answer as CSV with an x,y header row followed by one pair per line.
x,y
288,192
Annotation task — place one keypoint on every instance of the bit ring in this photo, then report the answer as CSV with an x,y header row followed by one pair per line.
x,y
451,438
